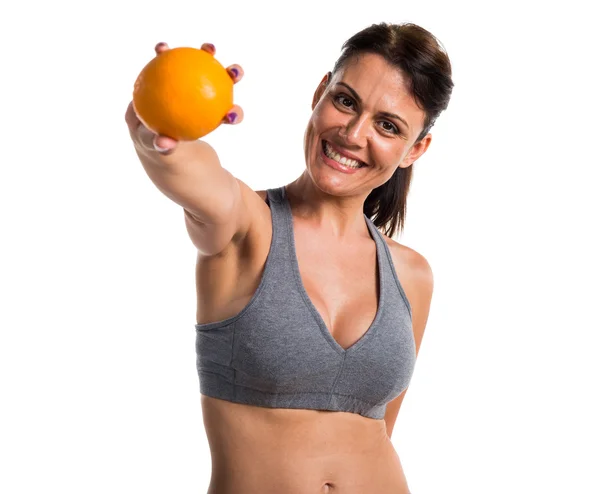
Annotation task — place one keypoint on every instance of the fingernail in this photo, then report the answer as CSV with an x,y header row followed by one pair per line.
x,y
159,149
232,117
235,72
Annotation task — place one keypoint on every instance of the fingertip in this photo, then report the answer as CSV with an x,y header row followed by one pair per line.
x,y
235,72
163,144
234,116
161,47
209,47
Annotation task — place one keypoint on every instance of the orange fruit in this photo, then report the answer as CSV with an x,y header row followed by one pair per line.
x,y
183,93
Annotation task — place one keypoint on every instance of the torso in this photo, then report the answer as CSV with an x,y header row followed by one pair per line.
x,y
296,451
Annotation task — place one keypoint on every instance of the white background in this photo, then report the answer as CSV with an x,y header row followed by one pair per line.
x,y
98,385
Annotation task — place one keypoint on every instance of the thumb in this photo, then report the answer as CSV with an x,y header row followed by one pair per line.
x,y
164,144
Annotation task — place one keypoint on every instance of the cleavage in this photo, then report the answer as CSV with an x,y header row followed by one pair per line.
x,y
342,284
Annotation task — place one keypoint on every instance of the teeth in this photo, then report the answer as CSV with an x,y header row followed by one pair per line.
x,y
350,163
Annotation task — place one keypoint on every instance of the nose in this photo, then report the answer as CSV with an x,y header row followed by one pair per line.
x,y
356,132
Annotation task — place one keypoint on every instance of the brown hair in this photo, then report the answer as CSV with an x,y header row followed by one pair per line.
x,y
423,60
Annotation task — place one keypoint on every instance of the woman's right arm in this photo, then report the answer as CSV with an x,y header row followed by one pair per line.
x,y
190,174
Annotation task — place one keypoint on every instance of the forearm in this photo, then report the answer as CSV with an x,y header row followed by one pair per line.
x,y
191,176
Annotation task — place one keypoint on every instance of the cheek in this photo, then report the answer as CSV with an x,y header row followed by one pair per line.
x,y
313,130
316,122
323,115
388,152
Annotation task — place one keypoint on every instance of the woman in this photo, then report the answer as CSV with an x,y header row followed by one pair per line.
x,y
309,318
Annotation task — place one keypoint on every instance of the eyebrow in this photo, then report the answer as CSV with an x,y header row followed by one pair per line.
x,y
384,113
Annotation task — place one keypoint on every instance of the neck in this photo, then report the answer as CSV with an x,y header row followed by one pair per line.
x,y
339,216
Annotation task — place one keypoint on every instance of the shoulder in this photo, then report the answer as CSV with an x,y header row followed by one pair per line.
x,y
410,265
416,278
262,194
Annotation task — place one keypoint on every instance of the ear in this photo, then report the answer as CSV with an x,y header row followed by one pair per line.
x,y
416,151
321,89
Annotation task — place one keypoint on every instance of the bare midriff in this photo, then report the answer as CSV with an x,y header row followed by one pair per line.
x,y
258,450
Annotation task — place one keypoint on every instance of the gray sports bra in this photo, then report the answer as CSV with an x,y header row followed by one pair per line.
x,y
278,353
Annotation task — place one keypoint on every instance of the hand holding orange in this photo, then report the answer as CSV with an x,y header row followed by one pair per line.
x,y
185,93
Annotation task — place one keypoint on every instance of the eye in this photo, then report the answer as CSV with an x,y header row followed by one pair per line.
x,y
344,100
389,127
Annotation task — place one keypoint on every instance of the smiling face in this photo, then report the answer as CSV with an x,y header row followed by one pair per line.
x,y
363,127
